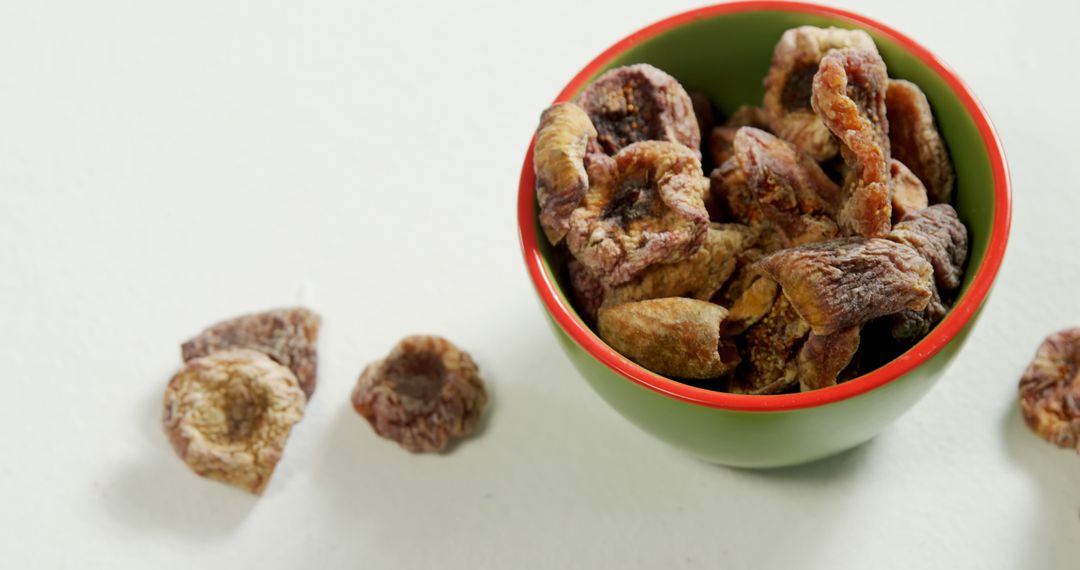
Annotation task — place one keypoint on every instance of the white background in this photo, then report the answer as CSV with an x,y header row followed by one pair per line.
x,y
163,166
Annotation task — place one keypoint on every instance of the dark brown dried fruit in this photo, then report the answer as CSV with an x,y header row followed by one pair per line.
x,y
639,103
908,192
423,394
916,141
589,292
722,138
789,188
559,160
703,111
822,358
788,85
842,283
650,211
228,415
770,348
699,277
849,95
289,336
1050,390
732,195
941,238
672,336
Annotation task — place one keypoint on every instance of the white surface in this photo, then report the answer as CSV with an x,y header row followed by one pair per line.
x,y
162,167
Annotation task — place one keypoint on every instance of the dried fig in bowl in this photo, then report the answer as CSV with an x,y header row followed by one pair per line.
x,y
559,158
638,103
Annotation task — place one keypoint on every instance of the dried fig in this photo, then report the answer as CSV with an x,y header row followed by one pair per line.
x,y
846,282
941,238
908,193
822,358
649,212
770,348
1050,390
229,414
849,95
286,335
639,103
672,336
423,394
559,157
916,141
788,86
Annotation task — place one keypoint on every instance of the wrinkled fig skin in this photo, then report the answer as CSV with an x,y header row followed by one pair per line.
x,y
842,283
822,358
941,238
1050,390
672,336
849,95
908,326
650,211
908,192
639,103
788,86
424,394
698,277
289,336
770,348
916,141
228,415
789,188
559,163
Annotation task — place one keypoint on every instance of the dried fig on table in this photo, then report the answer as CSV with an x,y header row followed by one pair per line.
x,y
789,84
228,415
559,161
650,211
770,348
846,282
671,336
916,141
1050,390
908,192
699,277
639,103
849,95
423,394
286,335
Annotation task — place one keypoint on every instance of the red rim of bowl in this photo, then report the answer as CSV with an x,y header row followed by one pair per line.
x,y
953,323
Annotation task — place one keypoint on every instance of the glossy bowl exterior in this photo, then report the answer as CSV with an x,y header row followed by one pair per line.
x,y
724,51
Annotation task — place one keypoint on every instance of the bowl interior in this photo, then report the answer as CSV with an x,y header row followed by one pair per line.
x,y
726,56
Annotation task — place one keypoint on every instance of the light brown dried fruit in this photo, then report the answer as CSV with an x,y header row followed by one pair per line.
x,y
770,348
751,305
822,358
846,282
699,277
288,336
916,141
639,103
941,238
559,158
228,416
849,95
650,211
789,188
423,394
908,192
749,116
671,336
1050,390
788,85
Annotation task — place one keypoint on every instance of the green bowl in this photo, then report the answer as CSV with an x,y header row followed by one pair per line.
x,y
724,51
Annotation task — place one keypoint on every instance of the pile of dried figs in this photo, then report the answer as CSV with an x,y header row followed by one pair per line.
x,y
821,245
